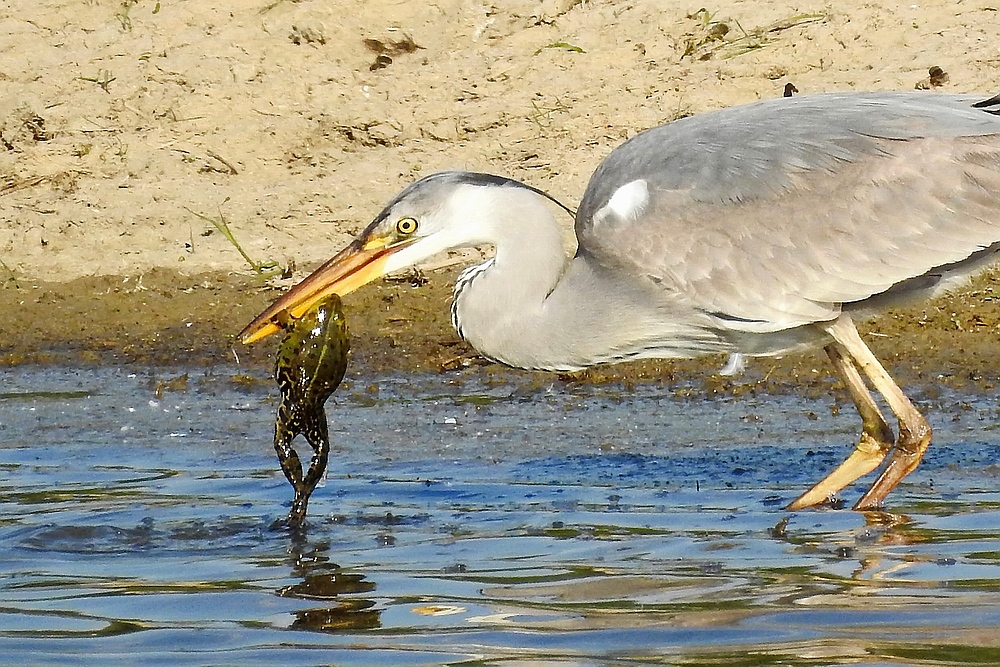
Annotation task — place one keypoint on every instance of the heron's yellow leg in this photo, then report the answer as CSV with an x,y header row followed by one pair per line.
x,y
914,431
876,436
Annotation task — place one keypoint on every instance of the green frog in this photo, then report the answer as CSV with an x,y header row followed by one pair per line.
x,y
311,363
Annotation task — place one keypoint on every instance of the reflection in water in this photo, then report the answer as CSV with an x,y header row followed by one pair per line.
x,y
136,529
869,545
346,615
885,529
323,580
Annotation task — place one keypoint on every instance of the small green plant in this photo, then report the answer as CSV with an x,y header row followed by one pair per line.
x,y
712,37
103,79
123,14
121,148
542,117
267,268
268,7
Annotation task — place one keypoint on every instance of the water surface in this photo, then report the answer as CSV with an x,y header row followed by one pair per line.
x,y
464,523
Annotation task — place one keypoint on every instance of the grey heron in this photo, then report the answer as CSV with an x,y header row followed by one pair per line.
x,y
754,230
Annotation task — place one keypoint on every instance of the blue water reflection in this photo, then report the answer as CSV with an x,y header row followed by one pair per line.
x,y
463,523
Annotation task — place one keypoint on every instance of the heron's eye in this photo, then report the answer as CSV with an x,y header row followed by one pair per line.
x,y
406,226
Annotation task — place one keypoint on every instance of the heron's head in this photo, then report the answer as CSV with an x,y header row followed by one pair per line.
x,y
440,212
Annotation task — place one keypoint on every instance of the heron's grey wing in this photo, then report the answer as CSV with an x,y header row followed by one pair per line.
x,y
772,215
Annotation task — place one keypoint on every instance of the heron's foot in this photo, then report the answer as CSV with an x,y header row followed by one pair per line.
x,y
866,457
906,456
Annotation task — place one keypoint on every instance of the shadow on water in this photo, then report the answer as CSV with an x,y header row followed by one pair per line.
x,y
471,525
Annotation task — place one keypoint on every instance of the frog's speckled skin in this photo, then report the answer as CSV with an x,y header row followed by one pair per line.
x,y
311,363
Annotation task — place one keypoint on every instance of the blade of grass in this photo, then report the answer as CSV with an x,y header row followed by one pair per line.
x,y
223,227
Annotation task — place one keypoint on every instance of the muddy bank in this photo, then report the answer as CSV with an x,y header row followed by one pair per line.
x,y
165,319
139,140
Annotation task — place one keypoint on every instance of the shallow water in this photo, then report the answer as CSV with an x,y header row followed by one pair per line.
x,y
470,524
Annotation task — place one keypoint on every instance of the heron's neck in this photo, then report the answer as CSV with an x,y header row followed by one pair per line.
x,y
532,307
500,305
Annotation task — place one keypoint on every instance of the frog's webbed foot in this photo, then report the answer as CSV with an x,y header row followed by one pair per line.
x,y
297,515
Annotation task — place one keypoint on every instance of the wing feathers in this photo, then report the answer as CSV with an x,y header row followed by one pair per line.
x,y
841,232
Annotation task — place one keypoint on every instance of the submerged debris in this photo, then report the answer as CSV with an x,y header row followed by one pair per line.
x,y
310,365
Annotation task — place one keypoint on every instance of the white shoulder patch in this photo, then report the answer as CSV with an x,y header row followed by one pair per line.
x,y
627,203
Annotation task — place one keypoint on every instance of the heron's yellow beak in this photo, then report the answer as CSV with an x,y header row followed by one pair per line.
x,y
356,265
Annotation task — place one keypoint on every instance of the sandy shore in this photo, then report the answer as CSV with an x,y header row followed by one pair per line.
x,y
134,133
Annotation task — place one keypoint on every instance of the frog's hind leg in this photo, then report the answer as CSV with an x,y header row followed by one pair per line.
x,y
285,430
317,435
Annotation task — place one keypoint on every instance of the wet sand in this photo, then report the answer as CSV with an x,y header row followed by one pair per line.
x,y
166,319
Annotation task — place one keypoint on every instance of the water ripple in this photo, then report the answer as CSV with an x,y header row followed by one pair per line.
x,y
461,524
